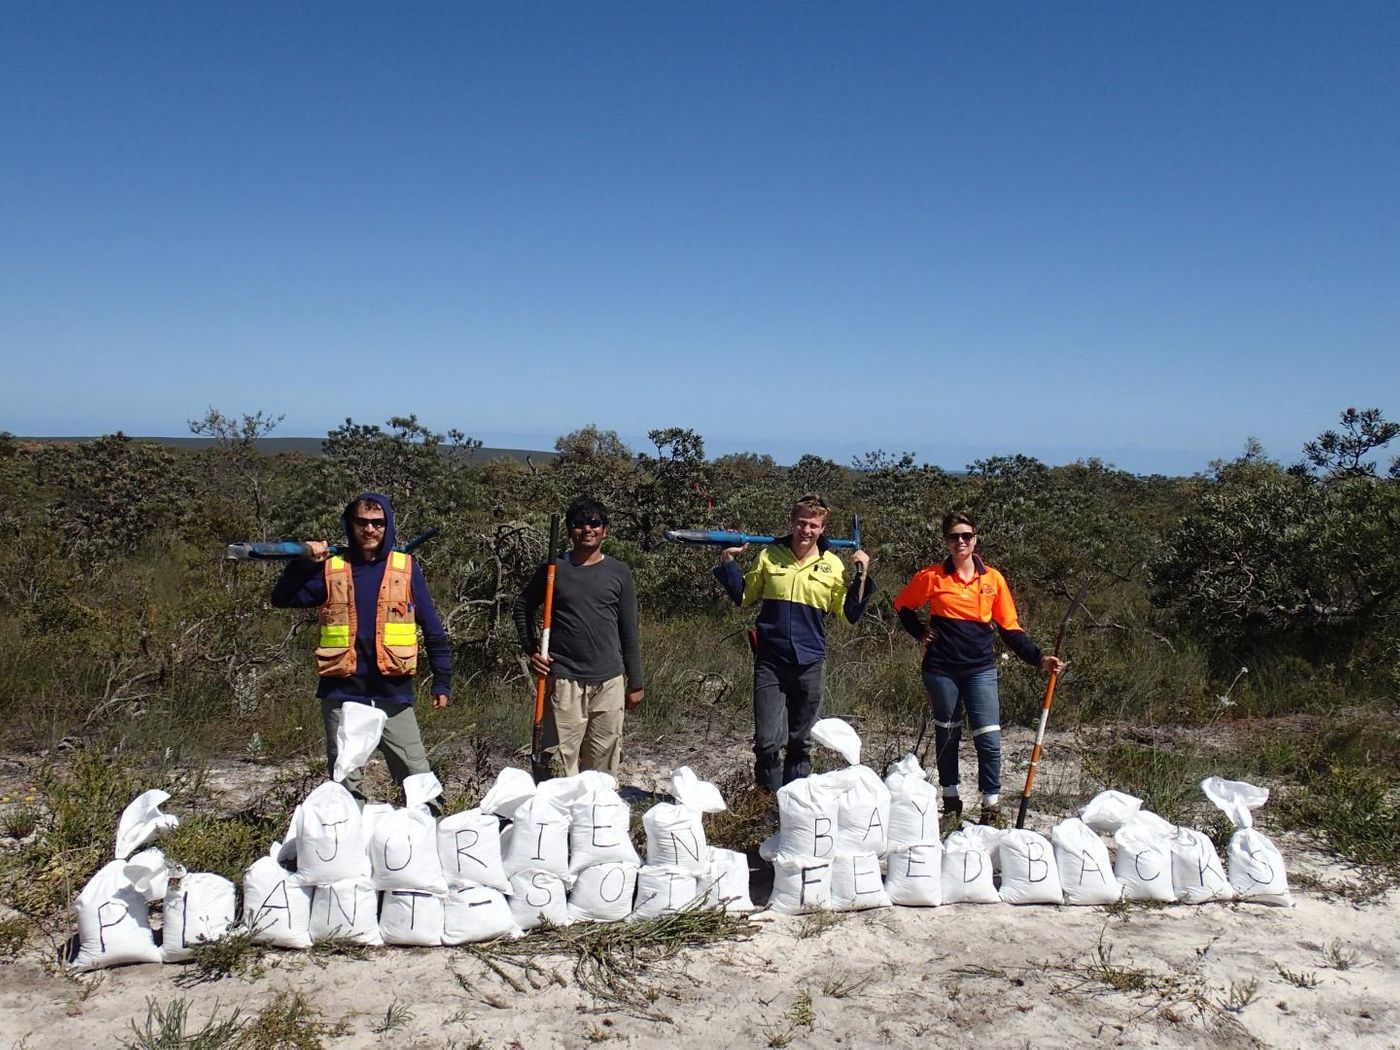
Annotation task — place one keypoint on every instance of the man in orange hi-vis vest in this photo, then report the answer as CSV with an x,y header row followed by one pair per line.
x,y
371,605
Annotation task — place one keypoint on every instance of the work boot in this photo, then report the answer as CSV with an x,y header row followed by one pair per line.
x,y
952,815
991,817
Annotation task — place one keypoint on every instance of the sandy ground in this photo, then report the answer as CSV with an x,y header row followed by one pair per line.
x,y
965,975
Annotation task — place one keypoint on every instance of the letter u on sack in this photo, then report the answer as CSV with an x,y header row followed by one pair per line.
x,y
403,852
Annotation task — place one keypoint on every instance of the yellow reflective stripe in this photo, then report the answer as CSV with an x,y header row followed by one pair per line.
x,y
398,559
400,634
335,636
337,563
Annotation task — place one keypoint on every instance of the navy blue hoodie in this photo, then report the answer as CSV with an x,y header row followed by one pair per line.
x,y
302,585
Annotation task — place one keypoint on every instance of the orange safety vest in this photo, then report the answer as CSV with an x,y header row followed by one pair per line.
x,y
395,632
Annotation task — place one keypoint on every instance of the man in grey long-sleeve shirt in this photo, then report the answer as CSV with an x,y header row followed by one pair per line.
x,y
595,656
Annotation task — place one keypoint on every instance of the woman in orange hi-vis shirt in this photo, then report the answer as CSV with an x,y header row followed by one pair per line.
x,y
968,602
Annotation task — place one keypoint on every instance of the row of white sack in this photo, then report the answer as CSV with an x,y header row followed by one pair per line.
x,y
980,865
114,919
562,826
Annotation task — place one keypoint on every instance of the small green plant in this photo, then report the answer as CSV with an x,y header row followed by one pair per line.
x,y
816,923
1297,977
1240,994
1338,955
395,1017
848,985
14,935
801,1013
236,953
20,821
166,1029
290,1022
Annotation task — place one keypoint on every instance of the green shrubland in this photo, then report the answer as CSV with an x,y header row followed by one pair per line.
x,y
1259,599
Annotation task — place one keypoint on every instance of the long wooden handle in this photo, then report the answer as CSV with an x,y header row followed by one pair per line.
x,y
1035,751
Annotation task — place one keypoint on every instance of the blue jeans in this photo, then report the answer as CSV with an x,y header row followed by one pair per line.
x,y
975,694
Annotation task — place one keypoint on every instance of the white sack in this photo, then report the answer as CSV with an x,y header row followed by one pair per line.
x,y
986,837
512,787
411,918
1144,861
913,804
538,839
856,883
477,913
1107,811
420,789
727,881
837,734
807,813
800,885
114,924
600,828
356,737
689,790
403,853
603,892
862,811
149,874
661,890
370,816
536,895
198,909
1086,871
915,874
329,836
1256,868
967,870
142,821
276,905
469,850
676,838
347,911
1029,874
1197,875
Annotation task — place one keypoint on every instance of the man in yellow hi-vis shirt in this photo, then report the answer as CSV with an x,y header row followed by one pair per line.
x,y
800,582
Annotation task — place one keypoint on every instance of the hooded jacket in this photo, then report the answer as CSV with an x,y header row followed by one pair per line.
x,y
302,585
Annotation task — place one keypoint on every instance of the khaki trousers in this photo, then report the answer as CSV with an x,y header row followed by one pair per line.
x,y
401,745
583,726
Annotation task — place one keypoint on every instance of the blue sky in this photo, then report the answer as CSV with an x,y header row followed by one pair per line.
x,y
1140,232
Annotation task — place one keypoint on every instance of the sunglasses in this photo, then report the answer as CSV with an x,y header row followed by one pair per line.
x,y
587,523
960,537
814,498
369,523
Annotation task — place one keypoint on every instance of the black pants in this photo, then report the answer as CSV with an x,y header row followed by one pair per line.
x,y
786,700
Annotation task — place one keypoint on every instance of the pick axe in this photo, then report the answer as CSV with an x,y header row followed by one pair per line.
x,y
1045,709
